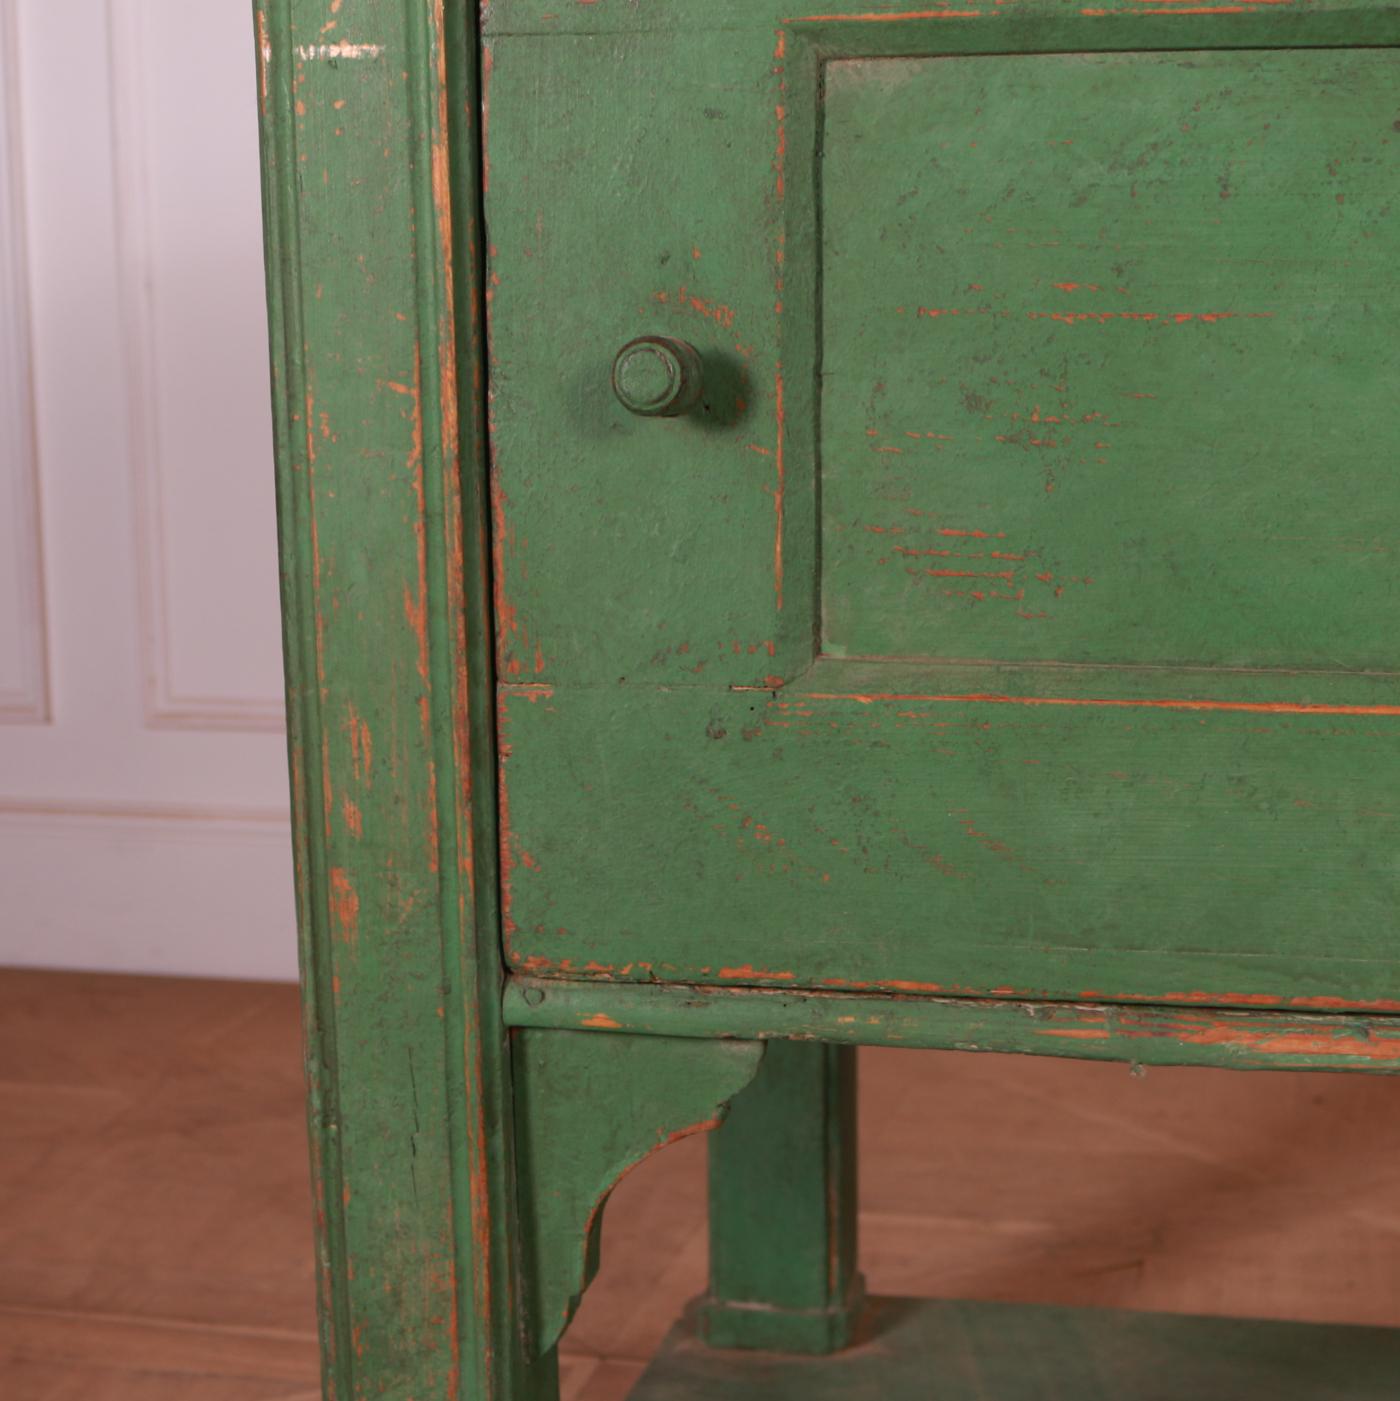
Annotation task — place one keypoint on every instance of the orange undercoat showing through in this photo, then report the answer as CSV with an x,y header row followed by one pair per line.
x,y
991,698
748,976
1246,1039
1070,318
879,19
345,906
757,973
600,1021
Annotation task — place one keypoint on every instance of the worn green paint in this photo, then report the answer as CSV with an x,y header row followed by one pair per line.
x,y
1142,800
970,26
944,839
1142,1035
1112,391
628,547
588,1109
373,266
1020,1352
1182,824
783,1233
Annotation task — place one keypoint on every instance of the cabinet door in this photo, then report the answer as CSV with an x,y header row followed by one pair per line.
x,y
1018,613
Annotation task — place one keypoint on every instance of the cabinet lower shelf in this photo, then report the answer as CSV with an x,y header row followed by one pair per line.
x,y
948,1351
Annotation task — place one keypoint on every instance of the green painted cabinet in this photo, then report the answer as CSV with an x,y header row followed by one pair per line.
x,y
803,530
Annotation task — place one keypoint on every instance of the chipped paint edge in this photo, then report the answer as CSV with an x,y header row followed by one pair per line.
x,y
1145,1034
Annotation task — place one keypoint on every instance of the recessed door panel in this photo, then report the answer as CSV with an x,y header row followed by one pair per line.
x,y
1108,358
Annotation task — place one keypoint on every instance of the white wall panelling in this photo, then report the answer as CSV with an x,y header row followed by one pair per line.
x,y
138,891
24,687
184,156
144,826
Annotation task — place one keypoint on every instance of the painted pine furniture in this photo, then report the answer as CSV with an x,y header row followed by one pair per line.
x,y
808,530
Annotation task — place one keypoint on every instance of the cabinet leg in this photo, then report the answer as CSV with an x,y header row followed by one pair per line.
x,y
783,1207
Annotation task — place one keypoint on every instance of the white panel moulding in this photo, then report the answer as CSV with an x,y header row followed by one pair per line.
x,y
24,680
161,890
195,351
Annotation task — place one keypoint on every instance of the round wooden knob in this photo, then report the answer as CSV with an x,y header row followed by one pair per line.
x,y
658,377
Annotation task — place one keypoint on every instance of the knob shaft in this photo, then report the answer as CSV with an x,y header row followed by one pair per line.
x,y
658,376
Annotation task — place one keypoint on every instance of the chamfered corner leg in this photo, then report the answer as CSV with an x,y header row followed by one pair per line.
x,y
783,1271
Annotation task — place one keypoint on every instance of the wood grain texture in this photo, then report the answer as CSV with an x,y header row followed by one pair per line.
x,y
154,1196
371,180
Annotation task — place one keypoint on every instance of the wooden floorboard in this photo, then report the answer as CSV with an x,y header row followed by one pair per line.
x,y
154,1201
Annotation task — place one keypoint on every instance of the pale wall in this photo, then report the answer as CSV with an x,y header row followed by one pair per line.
x,y
143,814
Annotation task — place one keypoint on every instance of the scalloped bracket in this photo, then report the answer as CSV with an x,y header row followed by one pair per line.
x,y
588,1109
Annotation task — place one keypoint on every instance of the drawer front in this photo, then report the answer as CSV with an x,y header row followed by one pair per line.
x,y
1017,611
